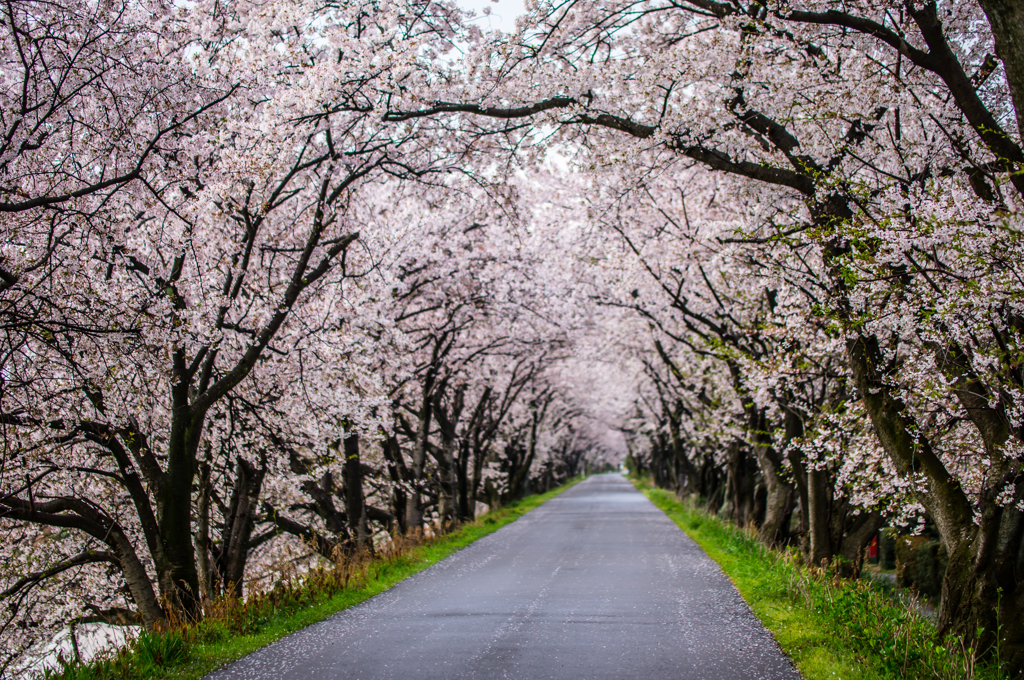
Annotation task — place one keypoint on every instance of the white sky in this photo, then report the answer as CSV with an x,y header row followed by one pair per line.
x,y
503,13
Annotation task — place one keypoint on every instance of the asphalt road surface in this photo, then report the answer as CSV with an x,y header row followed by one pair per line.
x,y
596,583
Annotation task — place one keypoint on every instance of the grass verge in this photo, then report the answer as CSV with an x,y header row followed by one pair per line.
x,y
235,631
832,628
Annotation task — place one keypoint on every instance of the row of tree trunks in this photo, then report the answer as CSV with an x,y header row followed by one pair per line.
x,y
766,494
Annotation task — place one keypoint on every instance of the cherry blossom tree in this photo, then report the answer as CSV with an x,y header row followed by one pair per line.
x,y
180,299
277,279
891,127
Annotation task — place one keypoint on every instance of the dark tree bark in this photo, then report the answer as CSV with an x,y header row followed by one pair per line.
x,y
399,474
74,513
421,444
739,485
467,486
327,546
1006,17
238,525
355,501
855,541
447,420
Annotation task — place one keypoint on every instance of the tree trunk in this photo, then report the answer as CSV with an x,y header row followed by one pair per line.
x,y
203,548
462,480
909,450
179,578
855,543
399,474
778,500
446,486
139,584
660,461
480,453
778,504
517,483
413,509
447,421
819,503
238,525
739,486
478,449
1006,17
355,502
980,588
686,480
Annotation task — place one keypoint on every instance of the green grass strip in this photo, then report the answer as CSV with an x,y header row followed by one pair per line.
x,y
832,629
157,656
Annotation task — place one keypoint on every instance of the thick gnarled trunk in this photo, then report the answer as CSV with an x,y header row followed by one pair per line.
x,y
178,575
981,590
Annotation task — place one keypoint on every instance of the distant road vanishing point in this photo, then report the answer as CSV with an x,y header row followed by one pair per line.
x,y
596,583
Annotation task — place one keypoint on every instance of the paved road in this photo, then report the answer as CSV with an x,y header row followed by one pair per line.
x,y
597,583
